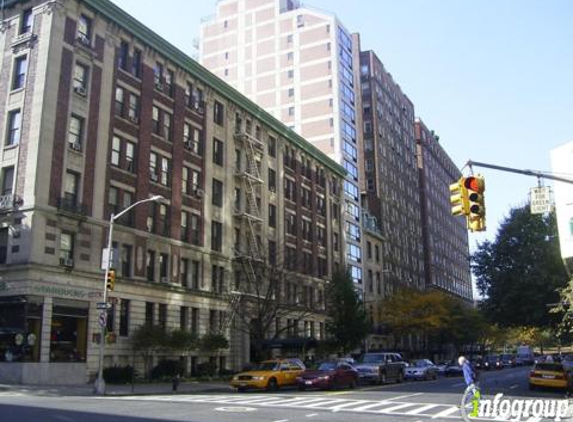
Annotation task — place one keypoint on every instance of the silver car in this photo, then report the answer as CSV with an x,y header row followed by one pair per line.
x,y
422,369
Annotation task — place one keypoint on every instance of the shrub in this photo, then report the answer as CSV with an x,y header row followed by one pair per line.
x,y
206,369
118,374
166,369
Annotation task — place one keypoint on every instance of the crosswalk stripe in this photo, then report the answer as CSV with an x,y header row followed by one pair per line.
x,y
370,406
422,409
344,405
394,408
446,412
324,403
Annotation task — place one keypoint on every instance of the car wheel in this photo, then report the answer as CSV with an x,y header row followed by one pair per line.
x,y
272,385
400,377
427,376
532,387
301,388
383,378
352,384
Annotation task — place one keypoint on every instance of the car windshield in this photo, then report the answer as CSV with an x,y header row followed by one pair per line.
x,y
372,359
268,366
419,363
555,367
327,366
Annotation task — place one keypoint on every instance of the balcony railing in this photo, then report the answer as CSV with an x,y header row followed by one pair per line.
x,y
71,205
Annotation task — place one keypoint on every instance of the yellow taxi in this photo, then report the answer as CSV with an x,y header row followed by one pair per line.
x,y
270,375
550,374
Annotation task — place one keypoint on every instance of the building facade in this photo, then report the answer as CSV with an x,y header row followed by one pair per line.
x,y
391,173
300,65
446,252
99,112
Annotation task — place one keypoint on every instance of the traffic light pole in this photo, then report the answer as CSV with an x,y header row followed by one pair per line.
x,y
537,174
99,386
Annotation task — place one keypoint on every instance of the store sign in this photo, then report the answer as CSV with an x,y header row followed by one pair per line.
x,y
49,290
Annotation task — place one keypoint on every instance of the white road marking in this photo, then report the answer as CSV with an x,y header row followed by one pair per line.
x,y
394,408
422,409
312,415
404,396
282,420
370,406
446,412
459,384
514,386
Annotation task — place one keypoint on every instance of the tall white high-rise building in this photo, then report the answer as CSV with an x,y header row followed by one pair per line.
x,y
300,65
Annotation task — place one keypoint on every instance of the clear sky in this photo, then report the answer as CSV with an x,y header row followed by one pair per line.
x,y
493,78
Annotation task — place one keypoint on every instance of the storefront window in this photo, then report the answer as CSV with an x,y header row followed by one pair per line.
x,y
68,340
20,328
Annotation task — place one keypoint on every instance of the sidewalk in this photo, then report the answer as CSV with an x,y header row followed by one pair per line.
x,y
191,387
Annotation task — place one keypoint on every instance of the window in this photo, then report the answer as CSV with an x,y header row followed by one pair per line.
x,y
272,215
183,317
155,120
291,111
354,253
184,272
75,133
290,74
217,193
66,248
80,82
290,56
169,77
115,151
158,76
7,180
119,101
136,63
195,230
149,311
272,146
351,190
122,56
163,223
167,126
291,92
126,260
218,113
71,187
195,274
130,156
20,67
195,321
356,274
290,224
272,180
184,226
217,278
124,317
162,315
216,236
163,267
353,211
133,112
27,21
14,123
218,148
150,267
289,38
85,30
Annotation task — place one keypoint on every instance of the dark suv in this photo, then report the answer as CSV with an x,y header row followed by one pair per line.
x,y
381,368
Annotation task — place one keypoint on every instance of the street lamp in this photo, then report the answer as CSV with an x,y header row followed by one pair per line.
x,y
99,385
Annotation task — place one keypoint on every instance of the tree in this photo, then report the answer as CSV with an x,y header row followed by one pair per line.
x,y
264,296
348,323
520,272
148,340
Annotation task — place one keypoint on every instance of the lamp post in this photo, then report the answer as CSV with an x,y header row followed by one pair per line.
x,y
99,385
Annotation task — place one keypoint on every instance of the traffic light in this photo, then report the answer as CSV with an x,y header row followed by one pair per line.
x,y
475,186
459,198
110,282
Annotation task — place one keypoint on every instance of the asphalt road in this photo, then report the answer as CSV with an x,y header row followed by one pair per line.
x,y
409,402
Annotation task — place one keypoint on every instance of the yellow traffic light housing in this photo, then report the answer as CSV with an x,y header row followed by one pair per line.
x,y
110,281
459,198
475,186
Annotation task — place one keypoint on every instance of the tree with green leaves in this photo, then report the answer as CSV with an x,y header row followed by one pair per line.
x,y
149,340
347,323
520,272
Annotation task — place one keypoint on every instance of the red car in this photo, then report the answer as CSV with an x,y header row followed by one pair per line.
x,y
328,375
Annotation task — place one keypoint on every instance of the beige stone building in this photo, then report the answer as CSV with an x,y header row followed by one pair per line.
x,y
98,112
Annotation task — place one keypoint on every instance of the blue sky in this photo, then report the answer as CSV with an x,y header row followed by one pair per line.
x,y
493,78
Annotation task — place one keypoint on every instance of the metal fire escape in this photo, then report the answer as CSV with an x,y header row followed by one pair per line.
x,y
248,251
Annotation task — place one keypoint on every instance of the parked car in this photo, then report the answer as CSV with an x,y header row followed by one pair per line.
x,y
270,375
492,362
478,363
442,368
423,369
525,354
380,368
328,375
454,370
553,375
507,360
